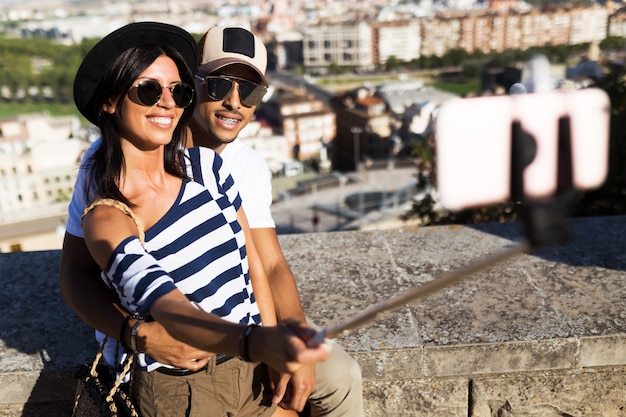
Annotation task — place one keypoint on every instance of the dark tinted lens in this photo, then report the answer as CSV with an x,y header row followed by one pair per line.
x,y
182,94
149,92
251,94
218,88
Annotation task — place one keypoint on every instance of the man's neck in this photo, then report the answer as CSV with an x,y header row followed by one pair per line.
x,y
198,137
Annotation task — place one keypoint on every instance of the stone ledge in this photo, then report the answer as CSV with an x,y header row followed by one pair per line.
x,y
495,358
539,334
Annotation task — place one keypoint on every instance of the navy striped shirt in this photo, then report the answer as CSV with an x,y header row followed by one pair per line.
x,y
198,246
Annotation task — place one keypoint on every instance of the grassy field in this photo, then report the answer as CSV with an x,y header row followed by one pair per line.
x,y
460,89
344,83
11,110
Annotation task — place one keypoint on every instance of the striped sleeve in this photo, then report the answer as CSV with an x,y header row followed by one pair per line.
x,y
137,277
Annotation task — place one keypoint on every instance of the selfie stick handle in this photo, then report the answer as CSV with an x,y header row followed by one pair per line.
x,y
544,219
370,313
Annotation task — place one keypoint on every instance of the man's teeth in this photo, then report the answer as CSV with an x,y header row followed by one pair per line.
x,y
228,120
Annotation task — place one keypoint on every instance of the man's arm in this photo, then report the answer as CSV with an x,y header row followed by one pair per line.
x,y
282,281
260,282
86,294
291,392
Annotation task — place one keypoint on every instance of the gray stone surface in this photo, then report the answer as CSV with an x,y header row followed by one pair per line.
x,y
572,290
579,392
536,335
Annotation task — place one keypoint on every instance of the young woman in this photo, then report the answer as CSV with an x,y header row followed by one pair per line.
x,y
194,273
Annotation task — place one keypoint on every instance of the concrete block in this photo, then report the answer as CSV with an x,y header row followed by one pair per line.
x,y
590,393
428,397
602,351
500,357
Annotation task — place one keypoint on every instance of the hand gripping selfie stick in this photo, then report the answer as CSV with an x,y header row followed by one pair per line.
x,y
544,225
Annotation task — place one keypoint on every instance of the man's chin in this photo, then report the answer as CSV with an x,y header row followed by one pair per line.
x,y
226,139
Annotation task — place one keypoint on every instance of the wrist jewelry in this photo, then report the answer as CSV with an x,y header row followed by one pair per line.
x,y
124,327
244,346
133,335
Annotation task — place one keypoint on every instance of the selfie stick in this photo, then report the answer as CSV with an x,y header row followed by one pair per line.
x,y
544,225
370,313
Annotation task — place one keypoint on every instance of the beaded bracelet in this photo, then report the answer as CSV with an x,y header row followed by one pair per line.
x,y
244,347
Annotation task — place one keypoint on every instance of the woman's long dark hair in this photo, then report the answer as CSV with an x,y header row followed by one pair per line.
x,y
106,165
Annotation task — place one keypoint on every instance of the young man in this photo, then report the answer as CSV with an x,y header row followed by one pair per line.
x,y
230,83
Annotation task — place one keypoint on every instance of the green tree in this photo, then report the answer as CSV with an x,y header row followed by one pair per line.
x,y
613,43
392,63
455,57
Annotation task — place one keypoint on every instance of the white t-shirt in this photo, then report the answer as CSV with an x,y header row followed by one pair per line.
x,y
247,167
253,180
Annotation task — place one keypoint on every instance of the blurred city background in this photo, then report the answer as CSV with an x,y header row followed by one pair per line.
x,y
347,126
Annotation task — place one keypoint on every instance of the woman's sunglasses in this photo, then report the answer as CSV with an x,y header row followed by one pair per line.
x,y
149,92
219,87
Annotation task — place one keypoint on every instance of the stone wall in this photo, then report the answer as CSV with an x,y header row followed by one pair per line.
x,y
539,334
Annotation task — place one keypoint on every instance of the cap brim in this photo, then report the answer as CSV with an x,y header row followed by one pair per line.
x,y
220,63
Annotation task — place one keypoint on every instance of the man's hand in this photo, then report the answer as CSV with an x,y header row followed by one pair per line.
x,y
291,392
155,341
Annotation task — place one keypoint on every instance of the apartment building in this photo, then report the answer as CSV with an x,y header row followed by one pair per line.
x,y
258,135
307,125
398,39
39,156
617,23
364,45
346,44
589,24
439,35
498,31
364,127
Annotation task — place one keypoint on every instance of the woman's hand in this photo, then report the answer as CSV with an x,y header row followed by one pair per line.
x,y
284,348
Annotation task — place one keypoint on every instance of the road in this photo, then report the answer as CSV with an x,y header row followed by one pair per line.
x,y
296,213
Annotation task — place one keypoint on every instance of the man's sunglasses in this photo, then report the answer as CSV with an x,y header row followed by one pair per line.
x,y
219,87
149,92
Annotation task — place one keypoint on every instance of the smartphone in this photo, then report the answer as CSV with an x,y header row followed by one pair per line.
x,y
473,144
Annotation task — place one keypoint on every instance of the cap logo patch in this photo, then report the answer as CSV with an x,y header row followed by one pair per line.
x,y
238,41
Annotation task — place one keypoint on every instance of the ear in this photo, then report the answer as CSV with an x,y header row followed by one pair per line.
x,y
108,107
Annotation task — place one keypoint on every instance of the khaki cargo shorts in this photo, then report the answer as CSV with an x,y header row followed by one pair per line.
x,y
233,387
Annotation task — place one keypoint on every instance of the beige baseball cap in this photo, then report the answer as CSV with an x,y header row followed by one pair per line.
x,y
221,46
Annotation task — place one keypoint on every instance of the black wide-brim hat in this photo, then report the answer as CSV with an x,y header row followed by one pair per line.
x,y
100,57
